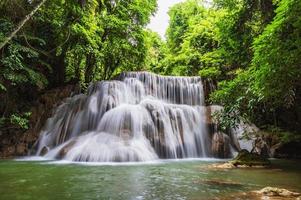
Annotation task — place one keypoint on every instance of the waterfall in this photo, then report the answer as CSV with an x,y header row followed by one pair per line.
x,y
139,117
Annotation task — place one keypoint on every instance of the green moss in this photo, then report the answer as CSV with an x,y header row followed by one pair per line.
x,y
251,159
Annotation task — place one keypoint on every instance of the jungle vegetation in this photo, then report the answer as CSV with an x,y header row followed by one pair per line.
x,y
250,48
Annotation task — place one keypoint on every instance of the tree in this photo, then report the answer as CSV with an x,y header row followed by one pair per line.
x,y
156,52
21,24
271,83
65,42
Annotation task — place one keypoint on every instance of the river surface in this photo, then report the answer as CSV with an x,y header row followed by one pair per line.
x,y
173,179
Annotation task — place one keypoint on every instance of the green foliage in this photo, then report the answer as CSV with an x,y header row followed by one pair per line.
x,y
251,48
16,68
21,121
274,73
226,118
210,72
156,52
276,62
180,17
246,158
18,62
68,41
193,41
283,135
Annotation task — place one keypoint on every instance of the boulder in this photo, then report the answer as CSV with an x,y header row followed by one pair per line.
x,y
249,159
277,192
261,147
269,193
62,153
44,151
226,165
221,145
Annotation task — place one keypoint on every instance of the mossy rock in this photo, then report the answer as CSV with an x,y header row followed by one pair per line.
x,y
250,159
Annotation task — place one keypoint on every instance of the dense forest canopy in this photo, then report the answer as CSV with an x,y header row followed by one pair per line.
x,y
250,48
68,41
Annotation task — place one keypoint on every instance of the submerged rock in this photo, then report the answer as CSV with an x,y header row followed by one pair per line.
x,y
216,182
249,159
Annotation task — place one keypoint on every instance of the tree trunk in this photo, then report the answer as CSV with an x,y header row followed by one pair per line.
x,y
22,23
90,67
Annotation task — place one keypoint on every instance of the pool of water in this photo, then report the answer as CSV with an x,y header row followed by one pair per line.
x,y
182,179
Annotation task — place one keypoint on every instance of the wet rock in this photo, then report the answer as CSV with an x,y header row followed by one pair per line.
x,y
8,151
221,145
66,149
226,165
269,144
21,149
249,159
229,165
220,183
261,148
44,151
277,192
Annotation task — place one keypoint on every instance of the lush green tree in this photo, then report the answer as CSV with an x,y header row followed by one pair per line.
x,y
156,52
67,41
193,41
180,15
276,65
271,83
250,47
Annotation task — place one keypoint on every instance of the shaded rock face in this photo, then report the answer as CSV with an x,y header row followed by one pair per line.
x,y
289,150
221,145
16,142
209,87
270,145
245,134
261,148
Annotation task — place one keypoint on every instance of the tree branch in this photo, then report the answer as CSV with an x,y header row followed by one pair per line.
x,y
22,23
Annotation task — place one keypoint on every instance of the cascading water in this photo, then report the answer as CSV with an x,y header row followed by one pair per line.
x,y
140,117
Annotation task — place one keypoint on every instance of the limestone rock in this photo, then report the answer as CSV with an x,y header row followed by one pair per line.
x,y
66,149
277,192
260,147
221,145
226,165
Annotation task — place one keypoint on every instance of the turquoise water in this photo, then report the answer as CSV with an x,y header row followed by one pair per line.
x,y
190,179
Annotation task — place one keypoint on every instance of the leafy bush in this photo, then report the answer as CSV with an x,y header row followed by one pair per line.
x,y
21,121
